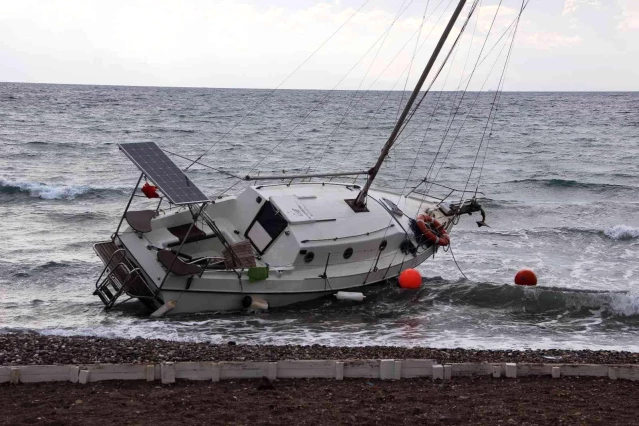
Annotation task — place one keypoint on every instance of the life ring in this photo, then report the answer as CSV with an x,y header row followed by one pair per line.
x,y
432,230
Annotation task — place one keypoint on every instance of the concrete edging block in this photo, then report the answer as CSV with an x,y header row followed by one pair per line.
x,y
412,368
471,369
292,369
496,371
83,377
243,370
46,373
14,375
168,373
511,370
74,372
397,373
362,368
613,373
387,369
150,373
339,370
193,370
438,372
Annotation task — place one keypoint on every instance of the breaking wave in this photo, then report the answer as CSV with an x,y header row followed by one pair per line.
x,y
537,300
569,183
622,232
50,192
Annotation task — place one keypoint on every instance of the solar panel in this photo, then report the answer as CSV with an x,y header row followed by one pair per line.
x,y
163,172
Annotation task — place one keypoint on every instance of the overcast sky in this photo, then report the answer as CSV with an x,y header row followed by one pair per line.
x,y
560,44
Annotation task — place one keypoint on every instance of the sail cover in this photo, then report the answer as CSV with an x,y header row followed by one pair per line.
x,y
163,172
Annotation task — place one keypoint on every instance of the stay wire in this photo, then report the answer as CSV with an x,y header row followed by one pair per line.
x,y
443,64
268,95
461,101
506,31
498,102
410,66
354,101
453,110
388,92
489,121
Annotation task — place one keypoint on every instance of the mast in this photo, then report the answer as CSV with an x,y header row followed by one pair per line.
x,y
360,202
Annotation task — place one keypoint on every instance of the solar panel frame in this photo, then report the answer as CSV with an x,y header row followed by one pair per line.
x,y
163,173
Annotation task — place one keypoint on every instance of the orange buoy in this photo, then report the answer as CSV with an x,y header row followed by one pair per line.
x,y
526,277
410,278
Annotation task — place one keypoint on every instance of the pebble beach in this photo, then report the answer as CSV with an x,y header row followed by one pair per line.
x,y
31,348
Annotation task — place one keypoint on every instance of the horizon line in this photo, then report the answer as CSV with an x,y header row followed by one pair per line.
x,y
308,89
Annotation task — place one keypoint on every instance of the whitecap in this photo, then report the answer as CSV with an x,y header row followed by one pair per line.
x,y
622,232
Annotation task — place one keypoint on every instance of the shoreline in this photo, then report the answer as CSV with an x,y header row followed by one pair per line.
x,y
37,349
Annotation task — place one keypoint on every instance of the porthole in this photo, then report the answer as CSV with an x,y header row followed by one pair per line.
x,y
348,253
383,245
308,258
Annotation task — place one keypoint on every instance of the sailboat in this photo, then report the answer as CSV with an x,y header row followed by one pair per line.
x,y
275,243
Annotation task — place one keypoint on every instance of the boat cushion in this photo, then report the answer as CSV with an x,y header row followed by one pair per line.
x,y
140,220
174,264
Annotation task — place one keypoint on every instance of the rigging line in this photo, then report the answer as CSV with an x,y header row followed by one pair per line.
x,y
464,121
455,260
224,172
443,64
462,98
304,118
502,82
481,141
375,81
412,59
388,92
268,95
430,121
453,110
314,108
506,31
414,110
354,99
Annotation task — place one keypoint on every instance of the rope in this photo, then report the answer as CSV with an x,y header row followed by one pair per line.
x,y
450,247
268,95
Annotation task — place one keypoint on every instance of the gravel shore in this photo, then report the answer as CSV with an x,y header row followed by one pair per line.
x,y
31,348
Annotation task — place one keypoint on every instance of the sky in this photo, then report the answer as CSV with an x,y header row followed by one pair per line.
x,y
560,45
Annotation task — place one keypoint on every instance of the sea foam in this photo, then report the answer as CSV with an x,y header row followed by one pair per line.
x,y
622,232
41,190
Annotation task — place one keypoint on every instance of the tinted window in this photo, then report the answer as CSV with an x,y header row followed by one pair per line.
x,y
271,220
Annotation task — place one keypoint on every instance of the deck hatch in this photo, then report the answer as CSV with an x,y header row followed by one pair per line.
x,y
164,173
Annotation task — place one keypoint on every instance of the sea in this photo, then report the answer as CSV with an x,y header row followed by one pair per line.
x,y
558,175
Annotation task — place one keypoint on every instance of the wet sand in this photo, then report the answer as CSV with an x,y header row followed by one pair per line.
x,y
476,401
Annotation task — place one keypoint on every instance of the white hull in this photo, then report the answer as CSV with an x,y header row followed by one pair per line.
x,y
323,247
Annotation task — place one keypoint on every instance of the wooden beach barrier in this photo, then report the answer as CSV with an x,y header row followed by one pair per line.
x,y
384,369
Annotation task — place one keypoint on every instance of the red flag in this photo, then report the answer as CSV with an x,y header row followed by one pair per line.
x,y
150,191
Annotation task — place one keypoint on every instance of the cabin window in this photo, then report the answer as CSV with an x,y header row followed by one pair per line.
x,y
266,227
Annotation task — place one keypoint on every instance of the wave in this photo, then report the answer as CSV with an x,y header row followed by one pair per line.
x,y
51,192
622,232
615,232
570,183
535,300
